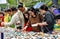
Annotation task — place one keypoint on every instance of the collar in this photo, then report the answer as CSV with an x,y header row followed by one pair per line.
x,y
57,24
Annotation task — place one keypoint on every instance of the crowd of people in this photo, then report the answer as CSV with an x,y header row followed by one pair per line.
x,y
29,19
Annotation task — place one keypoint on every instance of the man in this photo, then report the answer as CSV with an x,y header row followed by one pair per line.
x,y
13,11
17,17
48,19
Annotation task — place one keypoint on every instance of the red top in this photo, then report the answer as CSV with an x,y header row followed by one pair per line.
x,y
28,28
1,20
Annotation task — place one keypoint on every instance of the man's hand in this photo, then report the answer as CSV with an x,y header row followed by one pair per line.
x,y
2,23
18,23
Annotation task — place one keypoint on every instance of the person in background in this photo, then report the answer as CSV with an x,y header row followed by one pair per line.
x,y
48,19
1,18
9,11
6,15
14,10
55,10
55,2
57,25
18,16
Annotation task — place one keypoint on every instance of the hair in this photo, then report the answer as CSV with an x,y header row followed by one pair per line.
x,y
20,5
8,10
33,10
57,17
2,13
5,10
26,20
44,7
13,9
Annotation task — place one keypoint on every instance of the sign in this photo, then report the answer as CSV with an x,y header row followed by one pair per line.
x,y
3,1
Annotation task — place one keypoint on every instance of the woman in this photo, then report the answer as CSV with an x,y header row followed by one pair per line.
x,y
34,19
26,18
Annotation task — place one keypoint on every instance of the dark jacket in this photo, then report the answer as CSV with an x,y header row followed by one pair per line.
x,y
49,18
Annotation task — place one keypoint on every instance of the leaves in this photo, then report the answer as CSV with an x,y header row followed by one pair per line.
x,y
14,2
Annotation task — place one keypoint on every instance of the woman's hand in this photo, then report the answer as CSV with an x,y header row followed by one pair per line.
x,y
34,25
40,24
24,29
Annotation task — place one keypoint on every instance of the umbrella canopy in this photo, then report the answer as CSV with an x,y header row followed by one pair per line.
x,y
38,5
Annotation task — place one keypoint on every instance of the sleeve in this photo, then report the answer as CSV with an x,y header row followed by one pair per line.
x,y
21,18
13,19
29,22
22,21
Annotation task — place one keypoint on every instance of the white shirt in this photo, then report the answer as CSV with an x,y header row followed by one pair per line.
x,y
18,16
